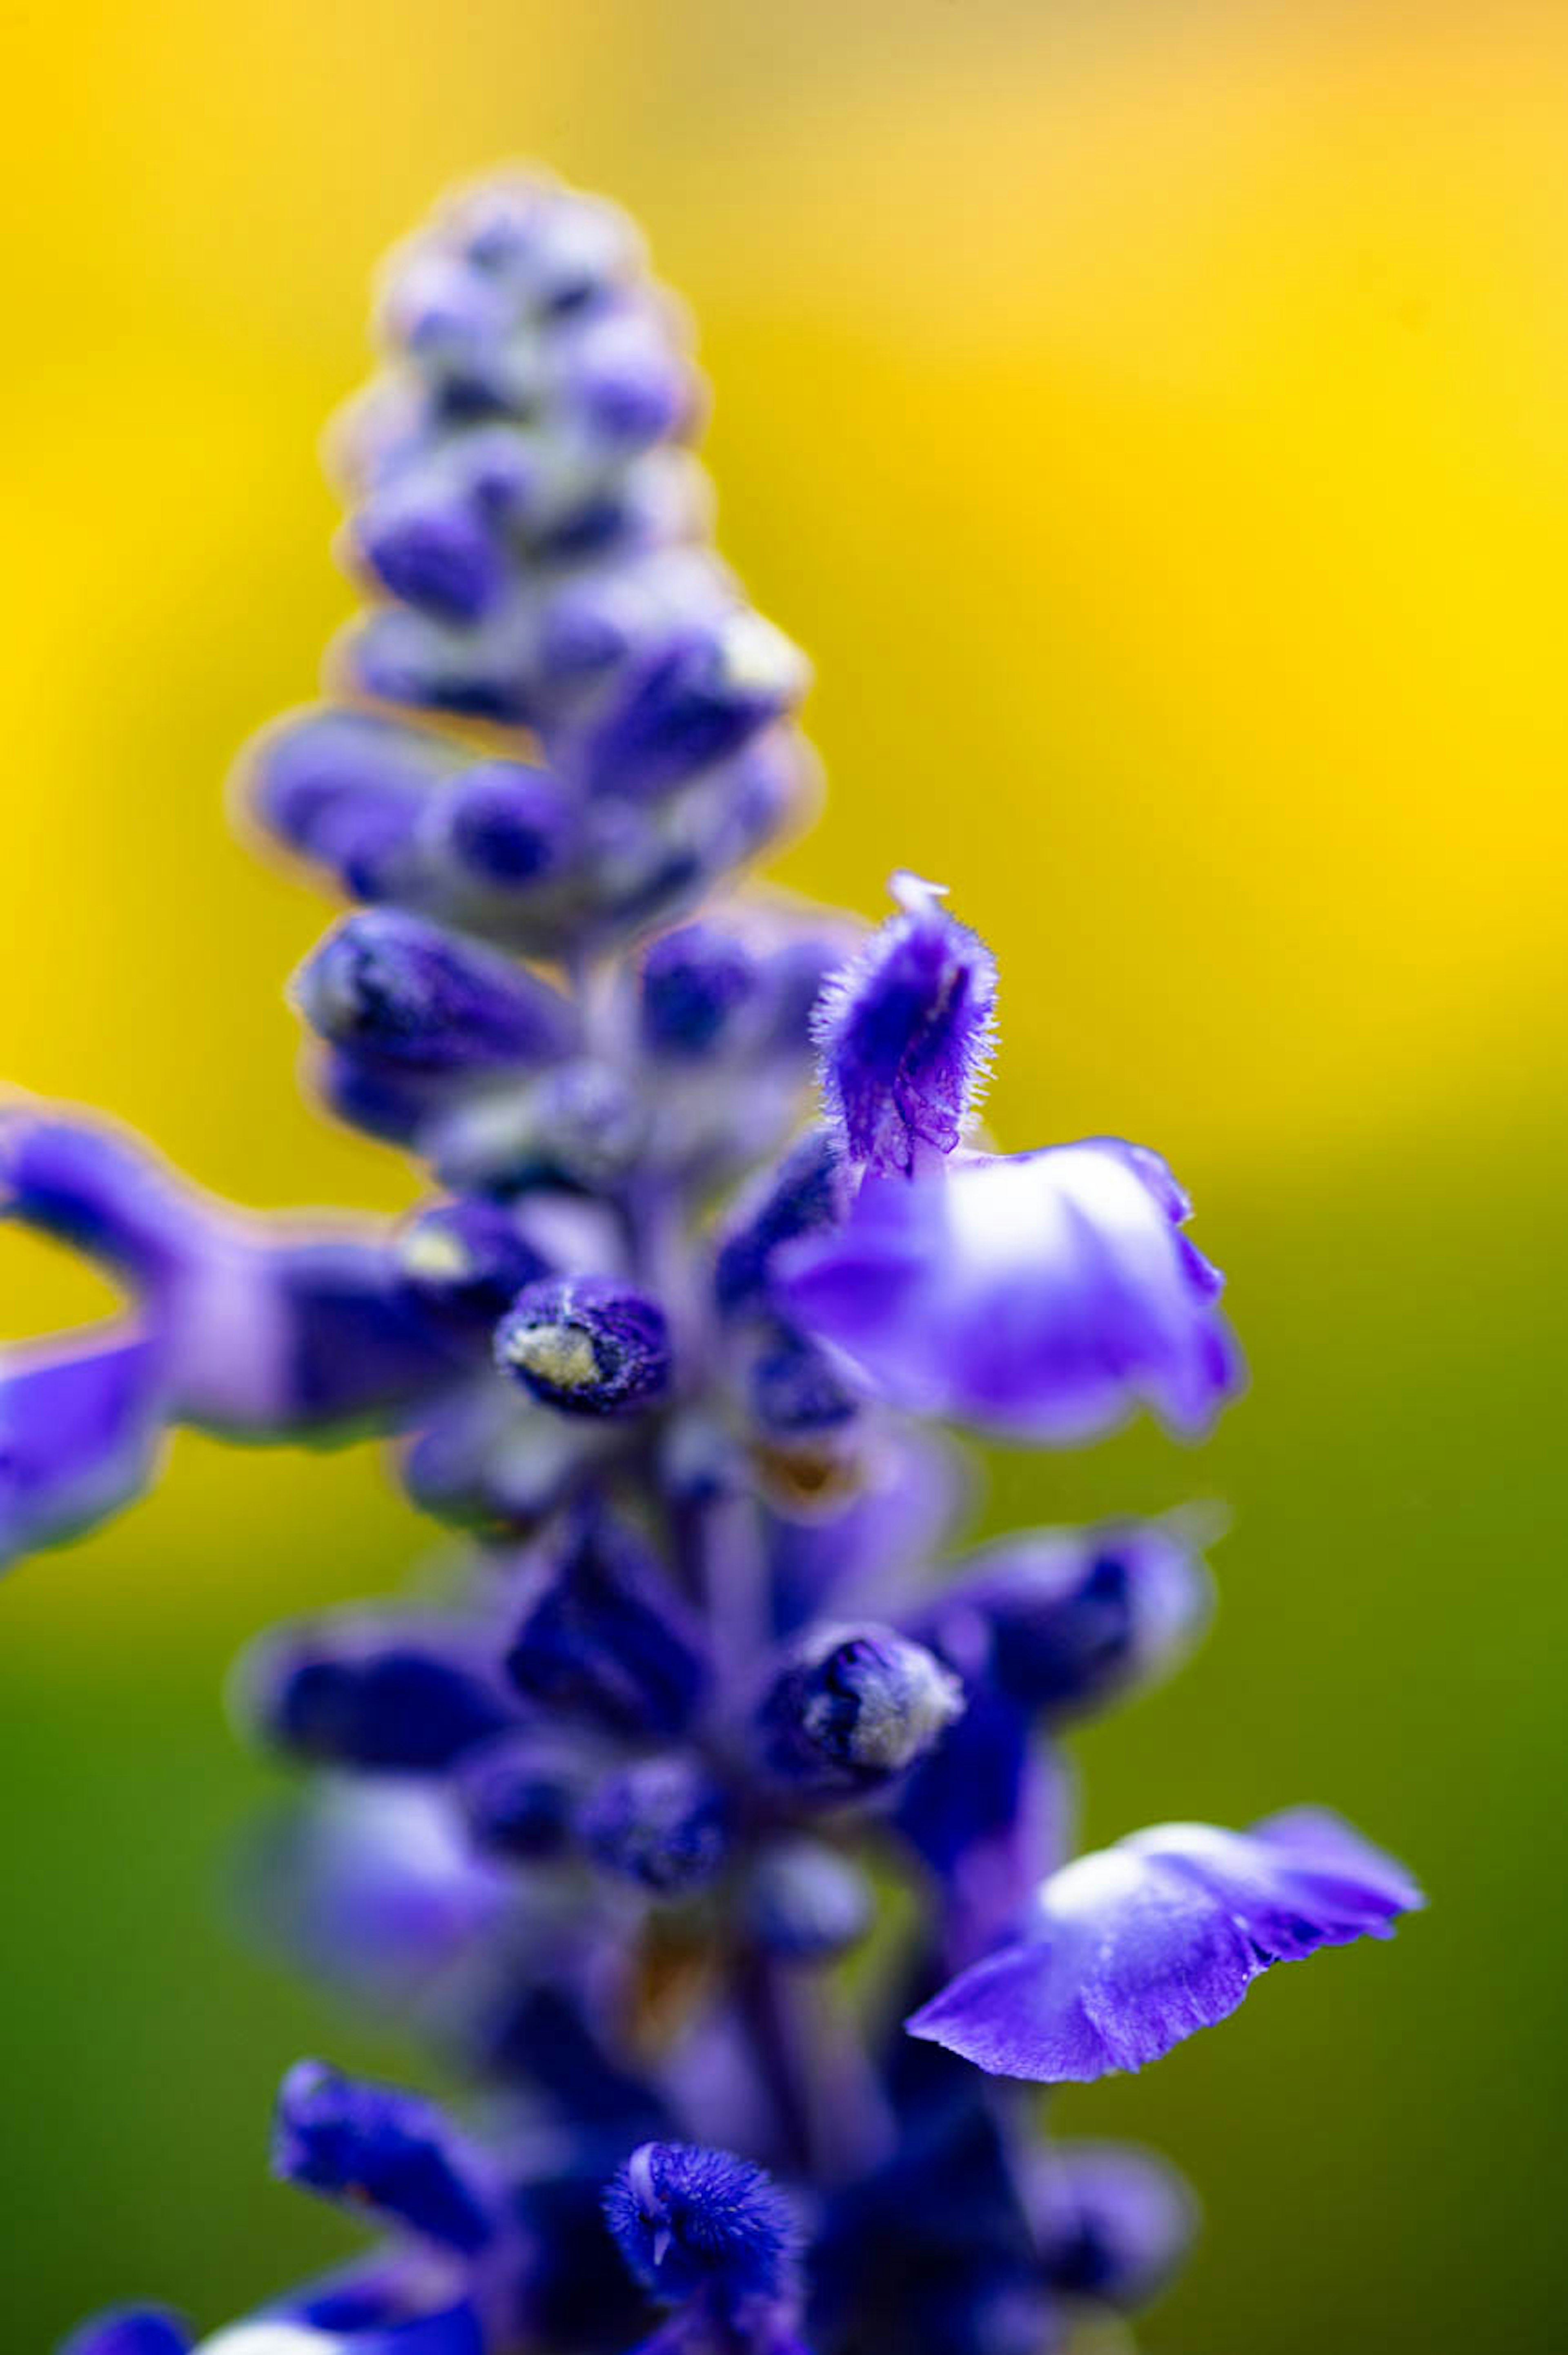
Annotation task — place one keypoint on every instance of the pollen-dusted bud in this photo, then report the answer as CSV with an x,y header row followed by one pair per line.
x,y
587,1346
383,2149
393,989
905,1032
468,1259
662,1822
856,1708
687,2219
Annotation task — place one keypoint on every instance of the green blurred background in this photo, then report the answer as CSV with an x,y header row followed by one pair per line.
x,y
1155,424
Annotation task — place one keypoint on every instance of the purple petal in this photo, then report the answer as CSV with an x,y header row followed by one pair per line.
x,y
80,1428
1137,1947
1041,1295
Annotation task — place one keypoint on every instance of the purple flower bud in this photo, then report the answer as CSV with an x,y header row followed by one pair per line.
x,y
904,1033
687,2219
696,984
408,657
373,1887
379,1697
345,1344
129,2330
467,1260
1112,2223
624,375
856,1708
662,1822
807,1902
603,1643
587,1346
479,1463
399,991
1042,1296
792,1388
346,789
694,703
383,2149
96,1190
582,1124
1136,1947
1061,1621
506,828
519,1795
804,1197
429,541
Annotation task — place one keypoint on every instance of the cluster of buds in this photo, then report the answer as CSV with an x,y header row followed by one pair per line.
x,y
614,1816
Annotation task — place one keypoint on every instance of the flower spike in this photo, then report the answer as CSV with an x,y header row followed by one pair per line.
x,y
699,1695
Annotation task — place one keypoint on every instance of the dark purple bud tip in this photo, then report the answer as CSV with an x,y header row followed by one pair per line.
x,y
858,1708
586,1346
906,1033
1110,2222
129,2330
664,1822
376,1699
435,552
687,2219
696,984
381,2148
508,826
793,1390
519,1797
697,701
467,1260
402,991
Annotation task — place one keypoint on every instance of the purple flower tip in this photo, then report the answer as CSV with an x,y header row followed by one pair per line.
x,y
687,2219
904,1033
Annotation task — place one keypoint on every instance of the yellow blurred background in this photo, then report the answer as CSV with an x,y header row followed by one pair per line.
x,y
1153,423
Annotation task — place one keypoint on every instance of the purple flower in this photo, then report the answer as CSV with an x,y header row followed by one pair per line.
x,y
904,1034
1135,1947
1037,1296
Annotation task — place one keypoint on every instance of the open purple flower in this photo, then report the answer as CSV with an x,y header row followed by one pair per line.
x,y
1135,1948
1038,1295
